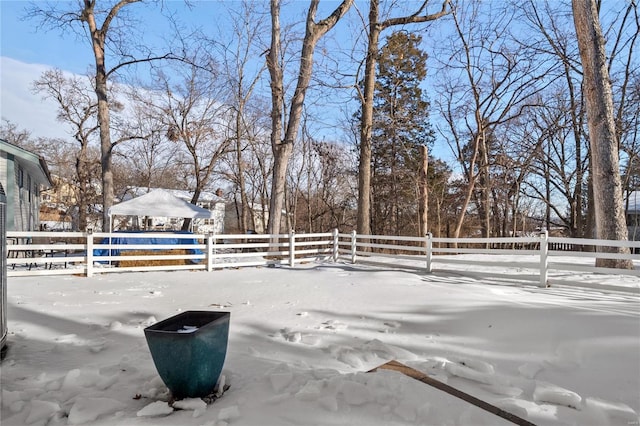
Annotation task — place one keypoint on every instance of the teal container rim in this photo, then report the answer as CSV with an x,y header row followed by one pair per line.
x,y
161,326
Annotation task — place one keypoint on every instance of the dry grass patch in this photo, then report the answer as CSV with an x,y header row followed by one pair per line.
x,y
155,262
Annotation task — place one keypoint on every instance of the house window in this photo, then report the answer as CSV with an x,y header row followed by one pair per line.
x,y
20,177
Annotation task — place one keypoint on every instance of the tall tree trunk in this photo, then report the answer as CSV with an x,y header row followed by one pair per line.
x,y
363,225
282,147
98,40
607,186
486,186
83,172
423,203
547,189
244,201
277,105
363,217
577,134
472,176
105,150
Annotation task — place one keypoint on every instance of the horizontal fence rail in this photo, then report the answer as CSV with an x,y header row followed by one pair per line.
x,y
540,253
72,253
87,253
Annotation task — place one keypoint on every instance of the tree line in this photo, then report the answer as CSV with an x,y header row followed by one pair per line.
x,y
335,113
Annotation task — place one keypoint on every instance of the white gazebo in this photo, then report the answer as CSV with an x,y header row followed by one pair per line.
x,y
158,203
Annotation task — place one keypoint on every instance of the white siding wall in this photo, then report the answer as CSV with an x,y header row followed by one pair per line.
x,y
25,200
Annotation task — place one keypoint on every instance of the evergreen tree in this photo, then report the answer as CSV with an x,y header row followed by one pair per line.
x,y
400,126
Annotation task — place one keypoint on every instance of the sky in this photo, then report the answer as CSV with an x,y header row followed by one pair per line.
x,y
21,41
27,51
24,56
302,340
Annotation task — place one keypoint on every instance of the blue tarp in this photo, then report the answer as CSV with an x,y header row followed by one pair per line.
x,y
150,241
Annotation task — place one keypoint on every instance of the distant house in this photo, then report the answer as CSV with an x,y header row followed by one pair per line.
x,y
632,213
59,206
258,219
23,175
207,200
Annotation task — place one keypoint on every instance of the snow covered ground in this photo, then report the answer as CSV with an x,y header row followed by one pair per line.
x,y
302,340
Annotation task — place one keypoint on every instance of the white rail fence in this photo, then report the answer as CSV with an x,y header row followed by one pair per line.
x,y
86,253
72,253
540,253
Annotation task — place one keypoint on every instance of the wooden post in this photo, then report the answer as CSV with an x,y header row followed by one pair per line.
x,y
429,249
335,244
292,248
423,202
210,253
89,246
354,246
544,252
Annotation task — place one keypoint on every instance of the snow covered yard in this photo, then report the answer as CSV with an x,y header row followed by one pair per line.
x,y
302,339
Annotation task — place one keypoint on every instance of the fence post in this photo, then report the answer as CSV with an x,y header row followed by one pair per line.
x,y
292,249
210,251
353,246
429,243
335,244
544,252
89,245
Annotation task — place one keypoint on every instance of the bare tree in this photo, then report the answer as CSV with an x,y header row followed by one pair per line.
x,y
259,174
109,29
149,162
487,82
553,37
607,187
439,196
517,147
191,114
300,165
77,108
327,193
73,201
282,142
247,26
10,132
623,35
555,174
630,138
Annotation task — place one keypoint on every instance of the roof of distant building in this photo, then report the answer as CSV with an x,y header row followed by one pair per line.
x,y
137,191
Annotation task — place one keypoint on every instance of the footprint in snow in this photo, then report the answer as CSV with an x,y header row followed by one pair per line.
x,y
389,326
334,325
475,364
152,294
297,337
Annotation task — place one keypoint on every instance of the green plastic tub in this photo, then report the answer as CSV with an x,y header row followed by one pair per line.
x,y
188,351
